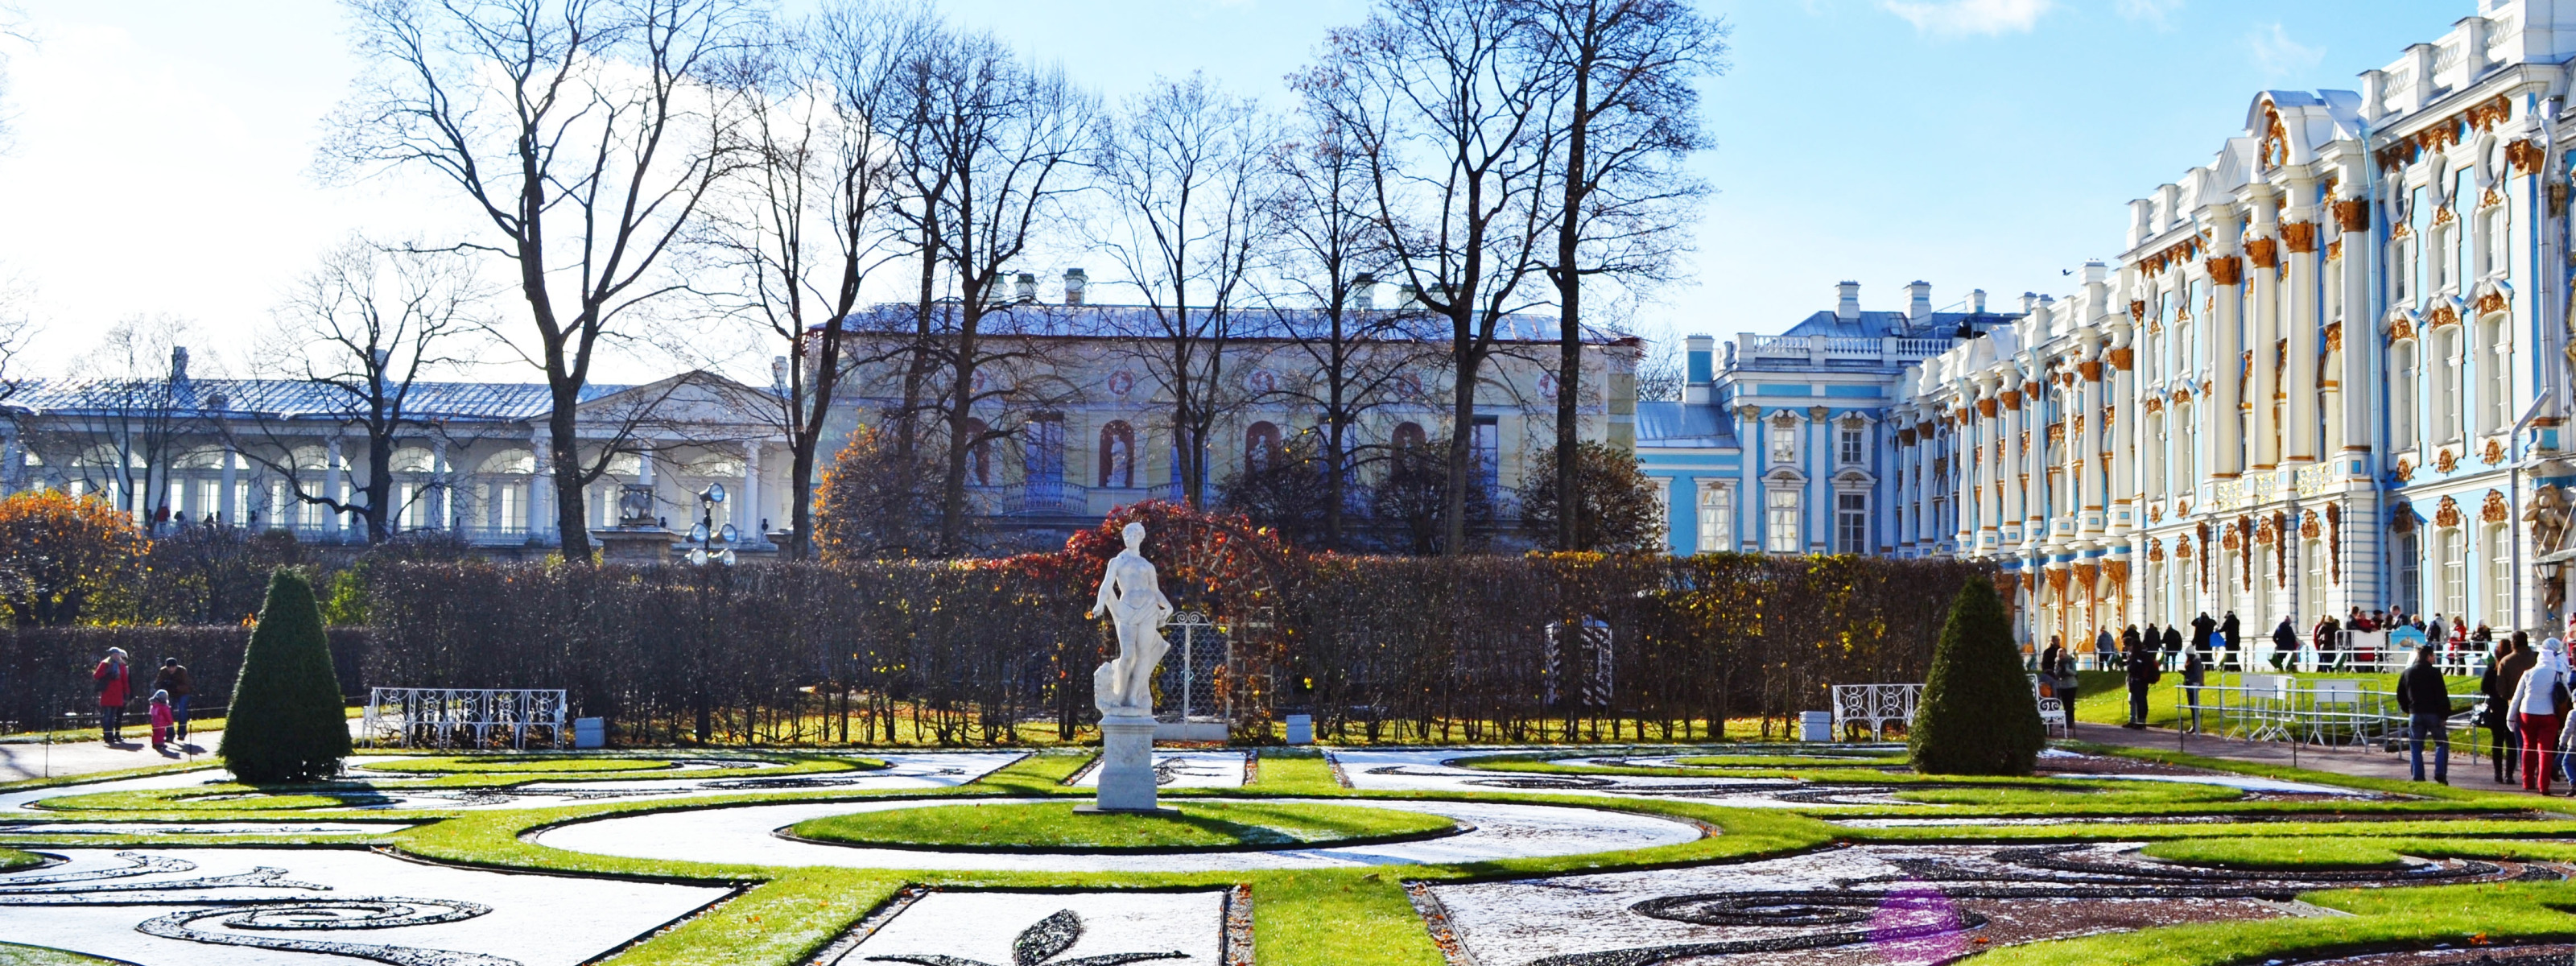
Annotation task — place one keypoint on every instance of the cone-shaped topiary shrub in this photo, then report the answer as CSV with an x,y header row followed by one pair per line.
x,y
285,724
1977,715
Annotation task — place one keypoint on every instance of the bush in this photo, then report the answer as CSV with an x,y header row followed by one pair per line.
x,y
286,724
1977,715
62,551
1614,506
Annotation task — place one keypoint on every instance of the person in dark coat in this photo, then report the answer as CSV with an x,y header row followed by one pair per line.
x,y
2285,642
115,683
2195,670
2200,629
2142,674
2427,704
2173,637
2057,670
173,680
2172,651
2104,645
2233,632
2503,673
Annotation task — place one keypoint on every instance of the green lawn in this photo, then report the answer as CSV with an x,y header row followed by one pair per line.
x,y
12,954
2102,697
1055,825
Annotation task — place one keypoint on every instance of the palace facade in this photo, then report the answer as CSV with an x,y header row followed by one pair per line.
x,y
2328,370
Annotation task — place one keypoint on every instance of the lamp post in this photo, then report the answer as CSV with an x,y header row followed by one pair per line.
x,y
706,542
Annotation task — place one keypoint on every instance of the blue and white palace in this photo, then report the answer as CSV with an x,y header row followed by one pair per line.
x,y
2328,370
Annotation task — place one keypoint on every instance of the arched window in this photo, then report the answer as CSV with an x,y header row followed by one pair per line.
x,y
1260,446
979,454
1117,455
2312,586
412,459
2444,367
2496,390
2455,569
1409,436
2401,395
2499,556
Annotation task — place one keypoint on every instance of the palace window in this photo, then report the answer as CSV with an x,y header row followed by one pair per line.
x,y
2401,396
2401,268
2186,448
1784,441
1853,448
2445,371
1716,519
1782,522
2312,590
2492,256
2455,570
2499,558
2410,582
1851,523
2496,409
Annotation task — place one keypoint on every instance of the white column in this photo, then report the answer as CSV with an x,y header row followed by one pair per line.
x,y
2301,324
2227,349
541,489
438,492
227,509
334,484
2263,258
13,462
2360,332
749,524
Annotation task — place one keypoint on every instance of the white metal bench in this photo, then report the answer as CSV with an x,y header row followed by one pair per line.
x,y
1874,705
2052,711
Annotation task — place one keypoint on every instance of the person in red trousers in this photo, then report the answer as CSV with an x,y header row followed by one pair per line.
x,y
2539,702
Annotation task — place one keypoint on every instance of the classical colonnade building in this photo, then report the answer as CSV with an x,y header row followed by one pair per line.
x,y
2327,371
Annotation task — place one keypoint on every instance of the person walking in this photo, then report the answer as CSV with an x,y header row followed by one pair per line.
x,y
2285,642
2173,637
2105,644
2142,674
2426,702
161,720
115,683
2235,632
2195,670
2200,630
2538,702
173,680
2504,671
2057,669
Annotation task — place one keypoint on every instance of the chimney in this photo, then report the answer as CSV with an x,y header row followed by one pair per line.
x,y
1364,292
1918,303
778,373
383,357
1977,301
1073,279
178,363
1847,307
2029,301
1028,288
1701,368
1407,298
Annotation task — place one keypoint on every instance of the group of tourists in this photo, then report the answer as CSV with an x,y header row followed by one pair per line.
x,y
166,710
2526,710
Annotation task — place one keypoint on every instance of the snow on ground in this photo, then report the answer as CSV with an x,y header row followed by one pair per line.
x,y
1183,769
1003,928
745,834
184,907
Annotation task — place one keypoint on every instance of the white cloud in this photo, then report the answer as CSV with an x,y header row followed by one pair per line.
x,y
1971,16
2279,56
2152,11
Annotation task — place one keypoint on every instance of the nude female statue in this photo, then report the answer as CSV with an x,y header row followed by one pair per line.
x,y
1135,604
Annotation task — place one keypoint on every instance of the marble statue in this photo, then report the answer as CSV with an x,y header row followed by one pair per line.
x,y
1134,601
1124,687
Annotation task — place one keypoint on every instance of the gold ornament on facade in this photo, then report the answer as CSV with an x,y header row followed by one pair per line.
x,y
2334,250
2485,115
2264,252
2301,236
2352,216
2310,526
2405,469
1986,407
2334,336
2155,404
2155,550
2090,369
2137,310
2012,399
2122,358
2402,328
2491,199
2266,533
2525,156
2494,509
2155,514
2334,543
2448,514
2445,460
2401,518
2225,270
2493,453
2275,150
2280,561
2403,230
2490,303
2232,540
2443,216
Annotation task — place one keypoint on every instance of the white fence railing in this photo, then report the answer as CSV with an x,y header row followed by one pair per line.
x,y
463,717
2278,707
1874,705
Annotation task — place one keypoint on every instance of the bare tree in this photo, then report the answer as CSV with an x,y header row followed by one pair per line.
x,y
987,154
1184,166
141,397
1454,113
803,221
582,130
359,332
1629,118
1328,249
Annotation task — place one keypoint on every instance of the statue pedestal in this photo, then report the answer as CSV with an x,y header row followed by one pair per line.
x,y
1126,765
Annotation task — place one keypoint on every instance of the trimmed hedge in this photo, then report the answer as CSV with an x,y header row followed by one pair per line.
x,y
44,671
285,724
1978,716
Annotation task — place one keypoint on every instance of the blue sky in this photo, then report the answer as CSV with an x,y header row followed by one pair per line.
x,y
162,147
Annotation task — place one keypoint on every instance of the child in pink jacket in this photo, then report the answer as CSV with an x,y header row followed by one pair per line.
x,y
162,719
